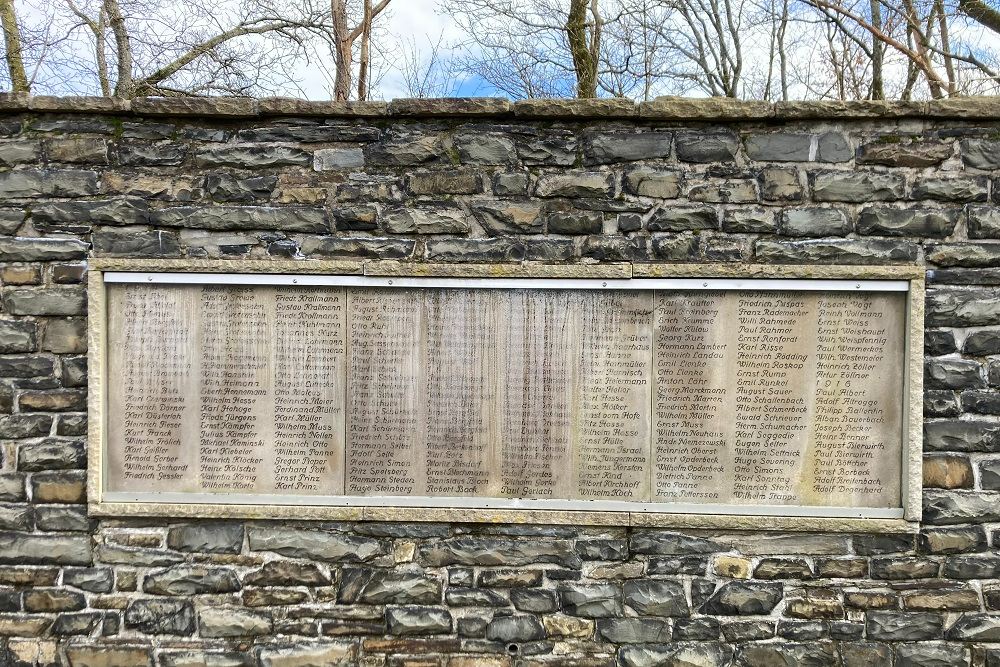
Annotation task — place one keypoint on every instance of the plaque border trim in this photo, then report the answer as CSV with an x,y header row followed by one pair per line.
x,y
618,276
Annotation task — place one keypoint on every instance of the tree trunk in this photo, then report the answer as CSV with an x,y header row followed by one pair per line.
x,y
878,57
363,62
584,61
12,41
343,43
125,86
981,13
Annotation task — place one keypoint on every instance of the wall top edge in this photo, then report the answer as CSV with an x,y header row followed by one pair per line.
x,y
712,109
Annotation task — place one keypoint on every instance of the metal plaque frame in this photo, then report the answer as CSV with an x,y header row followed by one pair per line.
x,y
909,280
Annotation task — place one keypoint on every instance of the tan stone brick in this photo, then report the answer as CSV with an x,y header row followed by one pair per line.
x,y
733,567
947,472
21,274
558,625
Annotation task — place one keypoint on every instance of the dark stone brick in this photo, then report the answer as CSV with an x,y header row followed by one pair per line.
x,y
160,617
962,436
603,148
655,597
814,222
940,341
707,146
836,251
904,153
591,600
953,540
743,598
883,221
678,219
948,373
191,580
957,507
215,537
145,243
982,343
51,454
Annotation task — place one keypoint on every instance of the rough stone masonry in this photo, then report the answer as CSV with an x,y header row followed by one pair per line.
x,y
490,181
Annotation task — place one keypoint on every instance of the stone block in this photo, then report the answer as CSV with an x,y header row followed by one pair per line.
x,y
207,537
857,186
51,454
575,184
947,472
191,580
836,251
705,147
416,620
779,147
604,148
160,617
225,622
883,221
251,156
814,222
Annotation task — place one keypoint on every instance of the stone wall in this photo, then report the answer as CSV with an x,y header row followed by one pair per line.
x,y
486,181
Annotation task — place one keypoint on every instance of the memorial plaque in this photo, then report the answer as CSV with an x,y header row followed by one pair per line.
x,y
643,397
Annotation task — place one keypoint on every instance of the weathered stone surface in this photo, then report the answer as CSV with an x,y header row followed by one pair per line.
x,y
962,436
952,540
984,222
418,620
972,255
707,146
51,454
982,343
509,218
252,156
34,549
159,154
836,251
634,630
319,545
475,250
376,586
362,247
781,185
92,579
815,222
948,373
221,622
225,187
980,153
659,183
857,187
928,654
950,188
161,617
214,537
907,221
975,627
485,148
681,654
497,551
962,307
955,507
41,249
602,148
574,222
406,150
778,147
575,184
947,472
48,183
109,656
893,152
655,598
449,182
591,600
287,218
287,573
903,626
191,580
743,598
517,628
341,654
425,221
329,159
683,218
145,243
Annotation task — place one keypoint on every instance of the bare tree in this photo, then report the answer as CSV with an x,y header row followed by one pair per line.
x,y
344,38
185,47
12,44
427,73
922,32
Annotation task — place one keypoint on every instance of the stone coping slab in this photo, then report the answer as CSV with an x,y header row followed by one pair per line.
x,y
660,109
